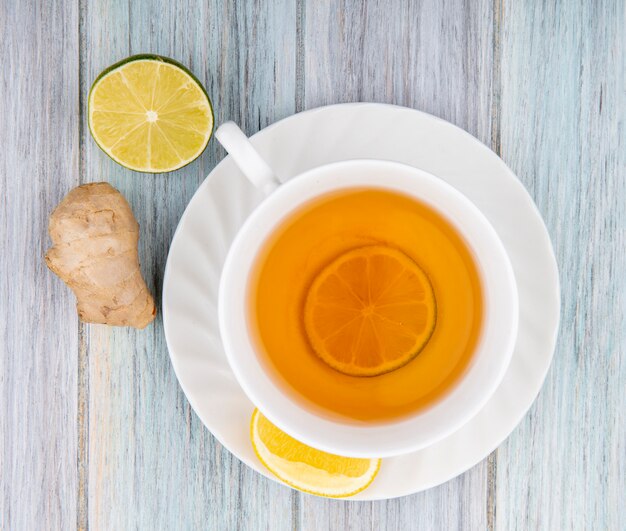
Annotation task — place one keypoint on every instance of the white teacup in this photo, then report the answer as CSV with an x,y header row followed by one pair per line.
x,y
492,353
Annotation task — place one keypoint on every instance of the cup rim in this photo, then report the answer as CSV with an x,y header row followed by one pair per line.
x,y
395,437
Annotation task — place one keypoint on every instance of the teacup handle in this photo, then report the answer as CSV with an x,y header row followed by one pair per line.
x,y
246,157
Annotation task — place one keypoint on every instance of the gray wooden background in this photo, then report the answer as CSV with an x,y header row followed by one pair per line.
x,y
94,429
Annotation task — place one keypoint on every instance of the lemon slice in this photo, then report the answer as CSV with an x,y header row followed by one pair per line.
x,y
150,114
306,468
370,311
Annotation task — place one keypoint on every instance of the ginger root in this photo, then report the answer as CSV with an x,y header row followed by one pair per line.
x,y
95,239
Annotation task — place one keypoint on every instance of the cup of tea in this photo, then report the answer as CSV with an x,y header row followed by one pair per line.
x,y
366,307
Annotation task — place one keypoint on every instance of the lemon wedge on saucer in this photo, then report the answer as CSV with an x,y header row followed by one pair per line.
x,y
306,468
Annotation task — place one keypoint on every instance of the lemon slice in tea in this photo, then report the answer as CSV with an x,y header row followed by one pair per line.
x,y
150,114
306,468
370,311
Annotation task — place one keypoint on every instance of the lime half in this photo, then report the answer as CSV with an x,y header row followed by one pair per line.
x,y
150,114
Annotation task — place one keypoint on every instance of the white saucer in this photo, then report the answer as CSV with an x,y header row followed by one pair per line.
x,y
340,132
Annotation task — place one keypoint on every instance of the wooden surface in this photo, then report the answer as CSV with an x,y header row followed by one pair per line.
x,y
94,429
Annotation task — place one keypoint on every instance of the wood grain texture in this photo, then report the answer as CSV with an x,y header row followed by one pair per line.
x,y
38,324
151,463
434,56
562,131
95,431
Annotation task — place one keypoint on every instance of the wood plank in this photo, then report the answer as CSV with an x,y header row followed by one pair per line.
x,y
435,57
562,112
457,504
39,330
152,464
